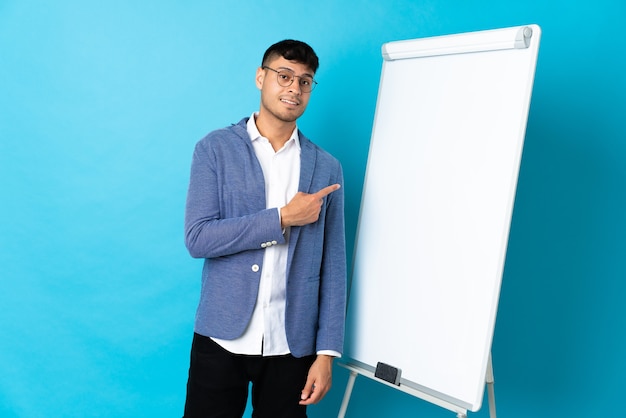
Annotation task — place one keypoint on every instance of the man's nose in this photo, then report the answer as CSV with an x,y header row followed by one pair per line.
x,y
295,86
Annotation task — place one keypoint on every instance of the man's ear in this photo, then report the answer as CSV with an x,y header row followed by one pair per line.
x,y
260,76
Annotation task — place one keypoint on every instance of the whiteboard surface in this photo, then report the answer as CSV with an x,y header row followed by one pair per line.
x,y
436,209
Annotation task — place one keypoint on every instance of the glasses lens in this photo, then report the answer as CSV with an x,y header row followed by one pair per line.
x,y
285,78
306,84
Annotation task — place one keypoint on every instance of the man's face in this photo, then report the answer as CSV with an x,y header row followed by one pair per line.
x,y
283,103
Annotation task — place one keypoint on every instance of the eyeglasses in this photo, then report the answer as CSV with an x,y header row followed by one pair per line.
x,y
285,79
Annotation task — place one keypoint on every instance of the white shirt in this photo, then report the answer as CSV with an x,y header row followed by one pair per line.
x,y
265,333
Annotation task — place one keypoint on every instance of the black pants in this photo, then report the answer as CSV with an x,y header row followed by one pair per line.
x,y
218,383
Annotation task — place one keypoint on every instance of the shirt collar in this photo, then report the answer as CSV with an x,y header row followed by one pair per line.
x,y
254,133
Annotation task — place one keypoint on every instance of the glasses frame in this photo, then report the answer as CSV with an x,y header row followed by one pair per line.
x,y
293,77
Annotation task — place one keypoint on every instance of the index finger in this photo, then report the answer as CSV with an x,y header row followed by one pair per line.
x,y
327,190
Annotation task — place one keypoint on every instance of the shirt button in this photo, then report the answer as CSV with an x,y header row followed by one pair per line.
x,y
255,268
263,245
274,242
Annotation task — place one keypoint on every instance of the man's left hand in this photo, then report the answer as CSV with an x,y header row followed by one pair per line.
x,y
318,381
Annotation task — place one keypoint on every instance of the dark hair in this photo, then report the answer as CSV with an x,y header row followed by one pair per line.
x,y
293,51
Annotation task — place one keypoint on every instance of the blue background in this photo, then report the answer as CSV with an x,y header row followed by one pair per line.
x,y
101,104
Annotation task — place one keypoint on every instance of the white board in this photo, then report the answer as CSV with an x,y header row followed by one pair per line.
x,y
436,209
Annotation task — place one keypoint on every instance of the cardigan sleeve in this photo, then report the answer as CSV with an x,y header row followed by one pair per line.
x,y
332,302
220,219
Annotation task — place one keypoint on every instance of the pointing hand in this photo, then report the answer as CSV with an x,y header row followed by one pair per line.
x,y
305,208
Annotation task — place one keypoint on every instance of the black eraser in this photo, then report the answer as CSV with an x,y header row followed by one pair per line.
x,y
388,373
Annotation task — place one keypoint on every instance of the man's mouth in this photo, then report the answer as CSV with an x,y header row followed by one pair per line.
x,y
291,102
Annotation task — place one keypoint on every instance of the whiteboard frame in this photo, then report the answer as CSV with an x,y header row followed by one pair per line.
x,y
522,37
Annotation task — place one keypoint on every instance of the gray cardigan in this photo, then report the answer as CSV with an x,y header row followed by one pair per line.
x,y
226,222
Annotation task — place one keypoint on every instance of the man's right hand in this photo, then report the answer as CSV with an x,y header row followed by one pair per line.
x,y
305,208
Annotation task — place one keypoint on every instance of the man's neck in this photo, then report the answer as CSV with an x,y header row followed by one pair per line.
x,y
277,132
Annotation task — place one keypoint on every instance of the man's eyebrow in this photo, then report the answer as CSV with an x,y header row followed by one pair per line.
x,y
289,69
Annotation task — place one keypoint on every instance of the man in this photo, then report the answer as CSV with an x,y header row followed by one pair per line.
x,y
265,211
